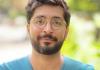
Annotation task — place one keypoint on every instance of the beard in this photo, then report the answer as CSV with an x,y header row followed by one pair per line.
x,y
47,50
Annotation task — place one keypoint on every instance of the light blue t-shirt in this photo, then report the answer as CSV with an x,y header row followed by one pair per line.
x,y
24,64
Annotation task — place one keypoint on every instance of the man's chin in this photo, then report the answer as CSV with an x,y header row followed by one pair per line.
x,y
48,49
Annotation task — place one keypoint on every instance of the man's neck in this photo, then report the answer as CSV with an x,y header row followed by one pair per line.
x,y
46,62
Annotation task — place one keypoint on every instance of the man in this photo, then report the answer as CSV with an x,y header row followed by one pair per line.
x,y
48,22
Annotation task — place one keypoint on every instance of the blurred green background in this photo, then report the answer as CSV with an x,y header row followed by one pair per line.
x,y
82,42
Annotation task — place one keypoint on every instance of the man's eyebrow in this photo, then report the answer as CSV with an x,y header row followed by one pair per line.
x,y
40,16
54,17
57,17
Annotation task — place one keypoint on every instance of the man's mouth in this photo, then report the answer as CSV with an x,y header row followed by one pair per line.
x,y
47,38
46,41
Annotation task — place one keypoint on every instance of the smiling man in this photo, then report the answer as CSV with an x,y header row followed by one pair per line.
x,y
48,22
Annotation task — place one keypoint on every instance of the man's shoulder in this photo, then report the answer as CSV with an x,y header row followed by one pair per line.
x,y
71,64
19,64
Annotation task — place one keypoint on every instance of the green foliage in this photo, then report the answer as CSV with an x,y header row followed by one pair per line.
x,y
89,6
90,54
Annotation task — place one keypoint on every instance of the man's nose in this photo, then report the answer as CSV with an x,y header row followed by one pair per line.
x,y
48,28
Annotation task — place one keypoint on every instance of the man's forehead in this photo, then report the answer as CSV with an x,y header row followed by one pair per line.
x,y
49,10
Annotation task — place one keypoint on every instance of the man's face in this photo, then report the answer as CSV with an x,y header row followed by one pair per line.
x,y
47,29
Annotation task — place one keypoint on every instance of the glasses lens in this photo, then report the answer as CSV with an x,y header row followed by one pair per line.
x,y
56,23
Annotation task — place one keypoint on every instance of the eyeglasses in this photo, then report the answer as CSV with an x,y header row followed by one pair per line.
x,y
41,22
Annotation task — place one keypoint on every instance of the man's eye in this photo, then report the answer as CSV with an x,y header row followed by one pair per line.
x,y
57,23
39,22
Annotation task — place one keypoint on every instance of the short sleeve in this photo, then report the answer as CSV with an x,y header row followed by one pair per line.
x,y
88,67
3,67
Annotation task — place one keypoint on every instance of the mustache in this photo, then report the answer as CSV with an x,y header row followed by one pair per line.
x,y
48,36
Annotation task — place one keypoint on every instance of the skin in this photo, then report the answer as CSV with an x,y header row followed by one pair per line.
x,y
40,61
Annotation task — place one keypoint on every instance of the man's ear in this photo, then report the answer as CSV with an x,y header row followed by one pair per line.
x,y
28,27
67,30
